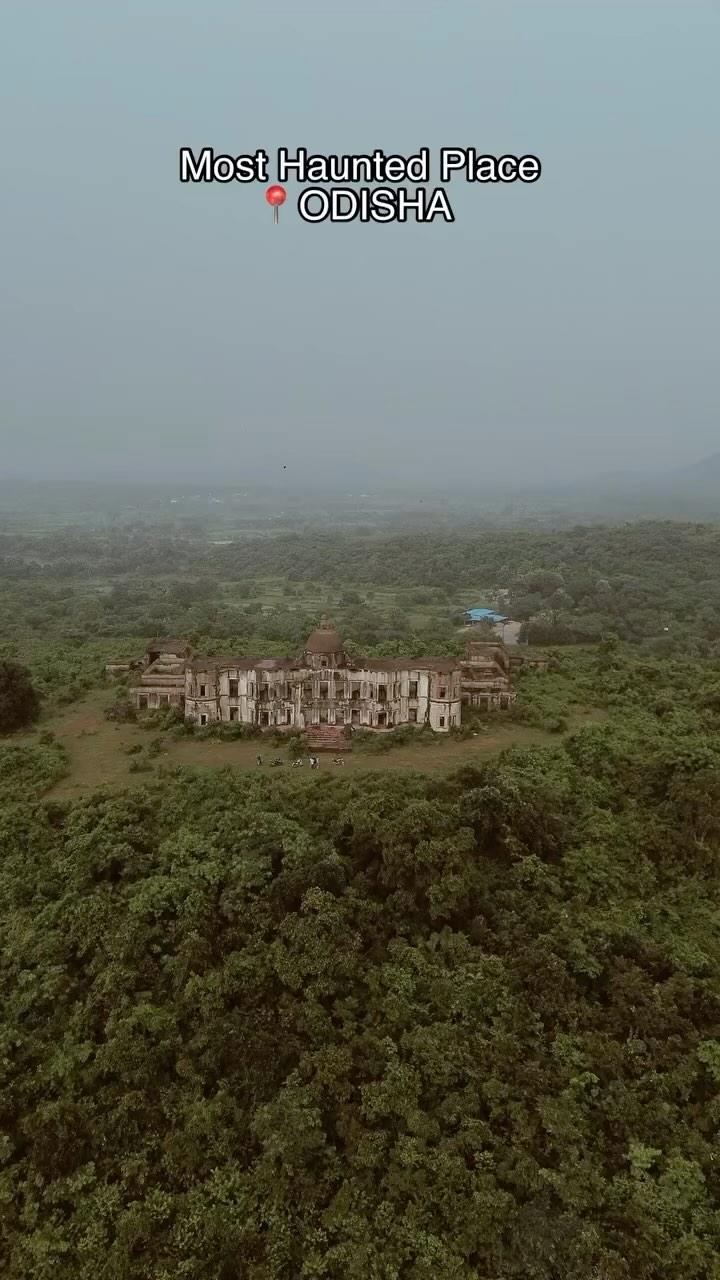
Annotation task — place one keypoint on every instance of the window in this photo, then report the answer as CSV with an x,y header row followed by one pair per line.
x,y
355,692
234,713
442,722
323,689
288,717
381,719
413,689
203,719
233,688
442,691
355,716
265,718
142,702
323,662
202,690
412,716
382,693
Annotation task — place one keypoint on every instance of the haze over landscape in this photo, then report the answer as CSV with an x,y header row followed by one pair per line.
x,y
359,650
554,332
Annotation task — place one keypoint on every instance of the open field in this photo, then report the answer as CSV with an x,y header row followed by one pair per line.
x,y
98,749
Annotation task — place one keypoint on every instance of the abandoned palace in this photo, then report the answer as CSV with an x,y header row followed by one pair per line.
x,y
321,687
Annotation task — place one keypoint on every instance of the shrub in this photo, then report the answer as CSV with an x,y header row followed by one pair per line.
x,y
27,770
140,765
554,724
121,710
19,702
379,743
228,731
166,718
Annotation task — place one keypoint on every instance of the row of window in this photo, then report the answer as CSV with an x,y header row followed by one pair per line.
x,y
384,720
357,690
146,700
487,701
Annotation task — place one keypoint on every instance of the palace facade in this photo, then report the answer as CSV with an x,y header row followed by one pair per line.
x,y
322,687
486,675
324,691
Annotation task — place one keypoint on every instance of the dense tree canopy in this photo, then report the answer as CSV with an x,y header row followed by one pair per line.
x,y
19,703
567,585
75,598
374,1027
266,1028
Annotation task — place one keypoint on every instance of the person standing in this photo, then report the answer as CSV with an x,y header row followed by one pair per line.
x,y
259,759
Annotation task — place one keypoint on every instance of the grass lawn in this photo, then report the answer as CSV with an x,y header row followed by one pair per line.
x,y
97,750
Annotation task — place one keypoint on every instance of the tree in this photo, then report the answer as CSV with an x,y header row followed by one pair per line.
x,y
369,1026
19,703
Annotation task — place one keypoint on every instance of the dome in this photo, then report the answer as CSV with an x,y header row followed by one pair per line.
x,y
325,639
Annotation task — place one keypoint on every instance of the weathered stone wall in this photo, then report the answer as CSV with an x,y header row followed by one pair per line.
x,y
296,698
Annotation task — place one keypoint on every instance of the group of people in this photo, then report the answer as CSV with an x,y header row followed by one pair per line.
x,y
314,761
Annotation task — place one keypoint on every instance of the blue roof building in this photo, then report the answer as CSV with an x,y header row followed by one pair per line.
x,y
485,615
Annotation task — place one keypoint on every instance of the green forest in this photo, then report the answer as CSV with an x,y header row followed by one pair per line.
x,y
71,598
465,1028
439,1024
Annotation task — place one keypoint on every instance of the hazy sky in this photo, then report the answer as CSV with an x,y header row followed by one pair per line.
x,y
154,329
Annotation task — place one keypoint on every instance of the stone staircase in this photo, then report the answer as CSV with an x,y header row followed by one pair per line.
x,y
327,737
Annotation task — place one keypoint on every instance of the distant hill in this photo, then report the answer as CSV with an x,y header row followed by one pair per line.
x,y
704,472
685,493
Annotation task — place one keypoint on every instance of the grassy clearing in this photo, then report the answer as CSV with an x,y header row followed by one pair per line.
x,y
98,750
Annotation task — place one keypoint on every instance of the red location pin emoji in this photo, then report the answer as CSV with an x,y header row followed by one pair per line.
x,y
276,195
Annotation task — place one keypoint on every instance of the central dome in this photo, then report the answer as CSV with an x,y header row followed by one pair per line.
x,y
325,639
